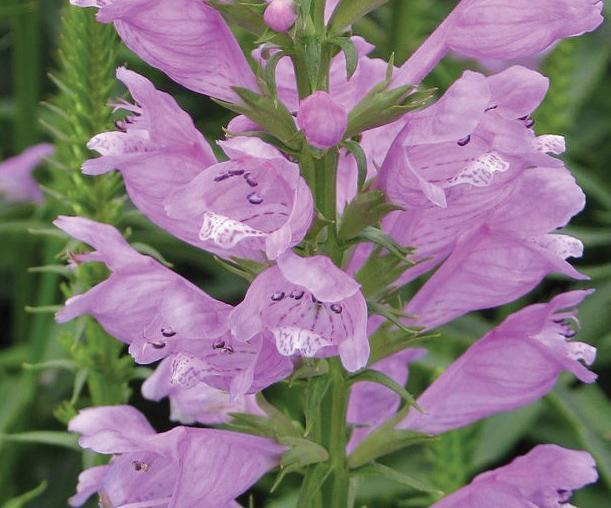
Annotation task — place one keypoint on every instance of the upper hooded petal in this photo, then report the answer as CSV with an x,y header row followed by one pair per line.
x,y
546,476
186,39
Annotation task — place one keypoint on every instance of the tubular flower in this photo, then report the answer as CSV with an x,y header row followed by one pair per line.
x,y
501,29
160,314
310,306
545,477
165,470
142,303
186,39
513,365
499,245
245,207
156,147
16,181
480,128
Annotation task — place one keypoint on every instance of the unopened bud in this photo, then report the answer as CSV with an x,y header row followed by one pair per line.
x,y
322,120
280,15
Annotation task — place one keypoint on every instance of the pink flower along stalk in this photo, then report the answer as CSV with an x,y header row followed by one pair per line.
x,y
16,180
150,469
367,188
186,39
502,30
544,477
515,364
161,315
310,306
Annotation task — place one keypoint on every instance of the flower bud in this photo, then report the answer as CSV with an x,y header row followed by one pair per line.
x,y
322,120
280,15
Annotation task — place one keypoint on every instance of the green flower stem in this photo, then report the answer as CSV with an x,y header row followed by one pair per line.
x,y
336,489
301,74
87,59
326,198
327,417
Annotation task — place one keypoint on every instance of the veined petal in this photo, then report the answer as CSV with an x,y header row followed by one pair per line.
x,y
546,476
244,207
513,365
186,39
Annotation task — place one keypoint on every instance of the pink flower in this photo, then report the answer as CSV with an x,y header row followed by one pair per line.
x,y
142,303
310,306
513,365
186,39
322,120
499,242
544,477
16,181
481,127
245,207
157,149
165,469
160,314
280,15
501,29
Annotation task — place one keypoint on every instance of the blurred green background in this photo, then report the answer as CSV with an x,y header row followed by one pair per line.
x,y
578,105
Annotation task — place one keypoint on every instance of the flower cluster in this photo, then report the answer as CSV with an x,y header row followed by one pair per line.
x,y
477,198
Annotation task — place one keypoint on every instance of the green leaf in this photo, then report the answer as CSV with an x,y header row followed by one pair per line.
x,y
361,161
244,268
383,441
79,383
275,425
316,390
269,113
146,249
302,453
374,376
381,106
312,483
51,364
55,269
376,469
393,315
270,71
46,437
379,272
23,499
308,369
365,210
379,237
350,53
588,411
246,15
349,11
43,309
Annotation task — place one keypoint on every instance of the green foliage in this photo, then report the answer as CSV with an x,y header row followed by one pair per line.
x,y
87,58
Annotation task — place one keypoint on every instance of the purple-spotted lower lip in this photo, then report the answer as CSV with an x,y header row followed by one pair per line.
x,y
464,141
